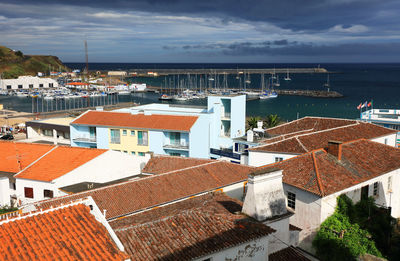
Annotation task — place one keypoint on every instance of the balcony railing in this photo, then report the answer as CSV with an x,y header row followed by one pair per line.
x,y
177,146
225,153
85,139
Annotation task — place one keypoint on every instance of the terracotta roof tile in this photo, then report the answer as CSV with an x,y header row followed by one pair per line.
x,y
59,162
69,233
16,156
163,164
188,229
308,142
309,124
288,254
122,119
361,160
159,189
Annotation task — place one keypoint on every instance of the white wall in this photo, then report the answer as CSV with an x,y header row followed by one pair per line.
x,y
307,214
38,189
33,135
25,81
4,191
257,158
281,235
387,139
109,166
255,250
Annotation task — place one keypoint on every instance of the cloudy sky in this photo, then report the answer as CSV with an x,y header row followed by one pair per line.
x,y
205,30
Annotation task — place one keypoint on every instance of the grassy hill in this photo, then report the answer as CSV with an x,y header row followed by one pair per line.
x,y
14,64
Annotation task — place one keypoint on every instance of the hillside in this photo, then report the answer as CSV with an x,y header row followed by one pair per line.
x,y
14,64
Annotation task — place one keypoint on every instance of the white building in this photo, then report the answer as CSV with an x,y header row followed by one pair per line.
x,y
311,133
27,82
117,73
34,172
53,130
360,169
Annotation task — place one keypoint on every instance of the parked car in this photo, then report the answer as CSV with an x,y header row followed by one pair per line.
x,y
7,137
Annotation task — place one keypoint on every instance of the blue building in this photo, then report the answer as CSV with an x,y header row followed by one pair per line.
x,y
192,131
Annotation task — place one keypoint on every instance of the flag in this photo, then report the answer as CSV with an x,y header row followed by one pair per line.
x,y
364,105
370,104
359,107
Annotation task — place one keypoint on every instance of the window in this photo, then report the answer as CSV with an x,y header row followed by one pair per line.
x,y
133,153
28,192
115,136
174,154
30,85
175,138
41,85
376,189
48,193
132,133
66,135
386,140
92,131
51,85
48,133
20,86
141,154
124,132
390,184
125,151
142,138
277,159
8,87
291,200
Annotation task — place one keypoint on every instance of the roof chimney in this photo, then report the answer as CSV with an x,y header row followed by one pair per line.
x,y
335,149
250,136
265,198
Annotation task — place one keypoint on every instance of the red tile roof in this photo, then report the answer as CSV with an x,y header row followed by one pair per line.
x,y
59,162
323,174
159,189
16,156
69,233
188,230
316,140
308,124
288,254
142,121
163,164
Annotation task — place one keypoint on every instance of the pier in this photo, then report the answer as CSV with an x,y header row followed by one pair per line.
x,y
162,72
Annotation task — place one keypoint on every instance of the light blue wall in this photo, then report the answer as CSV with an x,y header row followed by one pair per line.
x,y
238,119
79,131
199,139
156,142
102,137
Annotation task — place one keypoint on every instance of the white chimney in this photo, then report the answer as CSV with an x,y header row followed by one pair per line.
x,y
265,198
250,136
259,124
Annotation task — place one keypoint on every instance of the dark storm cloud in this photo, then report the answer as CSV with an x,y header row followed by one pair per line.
x,y
288,14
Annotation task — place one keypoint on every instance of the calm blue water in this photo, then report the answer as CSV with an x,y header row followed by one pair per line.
x,y
358,82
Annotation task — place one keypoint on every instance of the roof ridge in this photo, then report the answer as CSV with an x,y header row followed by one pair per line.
x,y
317,174
34,162
301,144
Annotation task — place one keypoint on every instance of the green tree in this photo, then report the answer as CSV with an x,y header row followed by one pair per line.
x,y
339,238
252,122
272,120
19,53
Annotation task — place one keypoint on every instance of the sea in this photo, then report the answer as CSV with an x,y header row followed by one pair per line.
x,y
358,83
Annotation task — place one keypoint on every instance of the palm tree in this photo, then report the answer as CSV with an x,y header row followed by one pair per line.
x,y
252,122
272,120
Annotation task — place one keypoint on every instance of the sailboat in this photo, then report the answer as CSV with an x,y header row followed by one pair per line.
x,y
287,78
277,83
269,93
327,85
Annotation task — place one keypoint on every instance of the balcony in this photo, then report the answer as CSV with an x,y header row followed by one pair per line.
x,y
225,153
176,146
85,139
